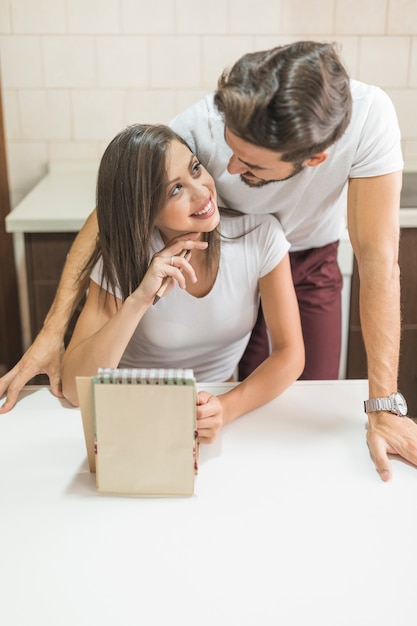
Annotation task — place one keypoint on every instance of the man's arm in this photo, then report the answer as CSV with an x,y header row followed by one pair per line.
x,y
44,355
373,221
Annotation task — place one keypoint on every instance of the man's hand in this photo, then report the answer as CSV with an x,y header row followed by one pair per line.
x,y
42,357
391,434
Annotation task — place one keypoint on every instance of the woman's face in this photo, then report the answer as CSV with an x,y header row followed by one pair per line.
x,y
191,198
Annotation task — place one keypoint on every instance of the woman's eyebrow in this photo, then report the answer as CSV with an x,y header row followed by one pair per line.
x,y
174,180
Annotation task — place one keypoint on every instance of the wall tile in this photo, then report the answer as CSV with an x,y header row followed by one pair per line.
x,y
93,16
5,18
405,104
148,17
98,115
42,16
45,114
220,53
316,16
402,17
69,61
360,17
122,61
265,42
150,107
348,47
413,63
255,16
211,17
102,145
16,196
20,62
410,152
11,118
178,66
186,98
384,61
73,151
27,164
172,55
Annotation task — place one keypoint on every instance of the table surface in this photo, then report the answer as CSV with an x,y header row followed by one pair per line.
x,y
289,525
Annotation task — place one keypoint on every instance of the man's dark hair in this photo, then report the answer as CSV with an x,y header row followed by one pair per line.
x,y
293,99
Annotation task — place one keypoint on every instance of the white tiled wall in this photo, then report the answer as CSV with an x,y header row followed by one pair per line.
x,y
74,72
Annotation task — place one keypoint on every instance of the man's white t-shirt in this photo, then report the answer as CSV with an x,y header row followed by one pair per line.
x,y
311,206
210,334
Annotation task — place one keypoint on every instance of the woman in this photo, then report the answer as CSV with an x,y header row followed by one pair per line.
x,y
159,223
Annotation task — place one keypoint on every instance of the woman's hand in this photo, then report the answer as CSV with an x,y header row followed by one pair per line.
x,y
210,417
169,262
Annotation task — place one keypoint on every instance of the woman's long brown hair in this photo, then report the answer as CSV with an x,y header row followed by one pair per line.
x,y
131,191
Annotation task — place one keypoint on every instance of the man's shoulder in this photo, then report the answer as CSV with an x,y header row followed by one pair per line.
x,y
202,109
360,89
201,125
366,96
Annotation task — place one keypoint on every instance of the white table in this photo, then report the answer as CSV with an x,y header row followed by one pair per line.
x,y
290,525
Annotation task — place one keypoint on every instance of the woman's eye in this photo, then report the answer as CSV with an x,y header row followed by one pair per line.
x,y
175,190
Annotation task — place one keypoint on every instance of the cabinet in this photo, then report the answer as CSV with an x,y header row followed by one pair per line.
x,y
356,358
44,226
10,331
45,255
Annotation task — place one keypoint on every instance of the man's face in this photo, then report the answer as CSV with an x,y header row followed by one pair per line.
x,y
258,166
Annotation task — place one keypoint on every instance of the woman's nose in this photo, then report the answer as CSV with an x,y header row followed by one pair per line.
x,y
199,191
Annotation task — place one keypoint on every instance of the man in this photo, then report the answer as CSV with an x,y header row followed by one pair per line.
x,y
287,133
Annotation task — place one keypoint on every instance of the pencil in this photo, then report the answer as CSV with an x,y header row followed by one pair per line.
x,y
167,279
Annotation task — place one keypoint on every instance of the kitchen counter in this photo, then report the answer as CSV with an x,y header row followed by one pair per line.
x,y
60,202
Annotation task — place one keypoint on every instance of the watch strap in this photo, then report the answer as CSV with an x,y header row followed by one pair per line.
x,y
378,404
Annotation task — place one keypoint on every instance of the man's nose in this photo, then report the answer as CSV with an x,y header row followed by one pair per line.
x,y
235,166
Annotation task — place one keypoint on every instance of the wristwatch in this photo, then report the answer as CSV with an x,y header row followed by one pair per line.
x,y
395,403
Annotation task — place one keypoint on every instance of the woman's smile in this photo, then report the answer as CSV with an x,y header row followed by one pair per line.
x,y
206,212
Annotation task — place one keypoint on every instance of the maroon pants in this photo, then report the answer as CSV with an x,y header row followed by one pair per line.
x,y
318,284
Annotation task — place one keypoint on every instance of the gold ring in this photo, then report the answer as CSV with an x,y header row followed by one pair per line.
x,y
172,260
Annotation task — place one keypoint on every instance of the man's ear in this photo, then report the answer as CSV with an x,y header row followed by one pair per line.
x,y
317,159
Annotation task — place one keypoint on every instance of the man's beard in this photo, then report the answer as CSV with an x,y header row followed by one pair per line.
x,y
259,182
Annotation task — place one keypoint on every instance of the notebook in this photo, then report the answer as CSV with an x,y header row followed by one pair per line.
x,y
139,427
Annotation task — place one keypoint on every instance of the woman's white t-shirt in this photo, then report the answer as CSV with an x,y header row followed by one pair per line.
x,y
209,334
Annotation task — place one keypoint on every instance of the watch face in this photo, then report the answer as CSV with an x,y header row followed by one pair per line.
x,y
400,404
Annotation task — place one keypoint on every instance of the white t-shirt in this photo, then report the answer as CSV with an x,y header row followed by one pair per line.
x,y
210,334
311,206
